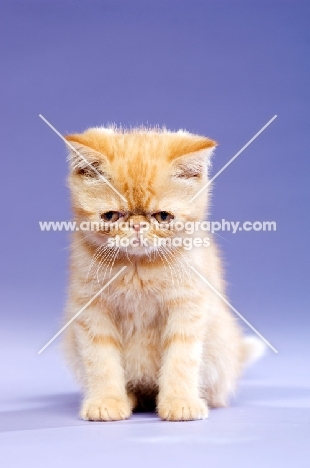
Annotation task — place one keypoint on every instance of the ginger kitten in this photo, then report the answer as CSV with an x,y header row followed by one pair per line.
x,y
157,331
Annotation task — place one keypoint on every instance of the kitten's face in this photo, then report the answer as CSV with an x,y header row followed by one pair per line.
x,y
157,172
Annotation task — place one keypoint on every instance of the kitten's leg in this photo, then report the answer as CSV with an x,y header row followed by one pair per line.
x,y
100,348
178,398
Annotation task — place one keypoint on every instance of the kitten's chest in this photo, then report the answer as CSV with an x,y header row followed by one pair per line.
x,y
138,301
135,307
140,286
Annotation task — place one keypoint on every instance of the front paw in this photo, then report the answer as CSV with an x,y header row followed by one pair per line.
x,y
182,409
105,409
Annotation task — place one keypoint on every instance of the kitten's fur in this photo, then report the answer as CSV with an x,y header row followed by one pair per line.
x,y
157,331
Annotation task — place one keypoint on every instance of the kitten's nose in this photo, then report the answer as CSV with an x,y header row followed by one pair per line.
x,y
136,227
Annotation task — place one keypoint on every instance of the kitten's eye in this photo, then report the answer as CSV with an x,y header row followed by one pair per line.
x,y
88,171
163,216
110,216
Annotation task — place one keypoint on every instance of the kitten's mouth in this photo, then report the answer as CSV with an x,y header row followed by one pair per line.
x,y
137,243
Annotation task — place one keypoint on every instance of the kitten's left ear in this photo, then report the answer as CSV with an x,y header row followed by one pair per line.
x,y
195,163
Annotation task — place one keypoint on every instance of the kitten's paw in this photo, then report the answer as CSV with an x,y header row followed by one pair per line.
x,y
105,409
218,402
179,409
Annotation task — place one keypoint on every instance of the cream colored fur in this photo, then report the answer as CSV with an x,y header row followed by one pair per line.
x,y
157,330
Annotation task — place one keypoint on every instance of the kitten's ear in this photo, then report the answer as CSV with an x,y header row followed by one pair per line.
x,y
83,158
195,163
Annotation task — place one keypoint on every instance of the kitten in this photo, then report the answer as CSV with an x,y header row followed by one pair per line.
x,y
158,331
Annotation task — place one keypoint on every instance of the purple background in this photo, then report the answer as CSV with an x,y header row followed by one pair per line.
x,y
218,68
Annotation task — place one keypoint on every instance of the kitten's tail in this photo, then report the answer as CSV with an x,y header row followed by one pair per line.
x,y
252,349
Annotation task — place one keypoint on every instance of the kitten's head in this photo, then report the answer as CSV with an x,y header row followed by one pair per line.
x,y
137,182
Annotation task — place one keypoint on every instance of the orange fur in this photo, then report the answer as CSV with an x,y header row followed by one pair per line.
x,y
157,329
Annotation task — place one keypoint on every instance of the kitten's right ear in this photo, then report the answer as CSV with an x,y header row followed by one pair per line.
x,y
84,160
